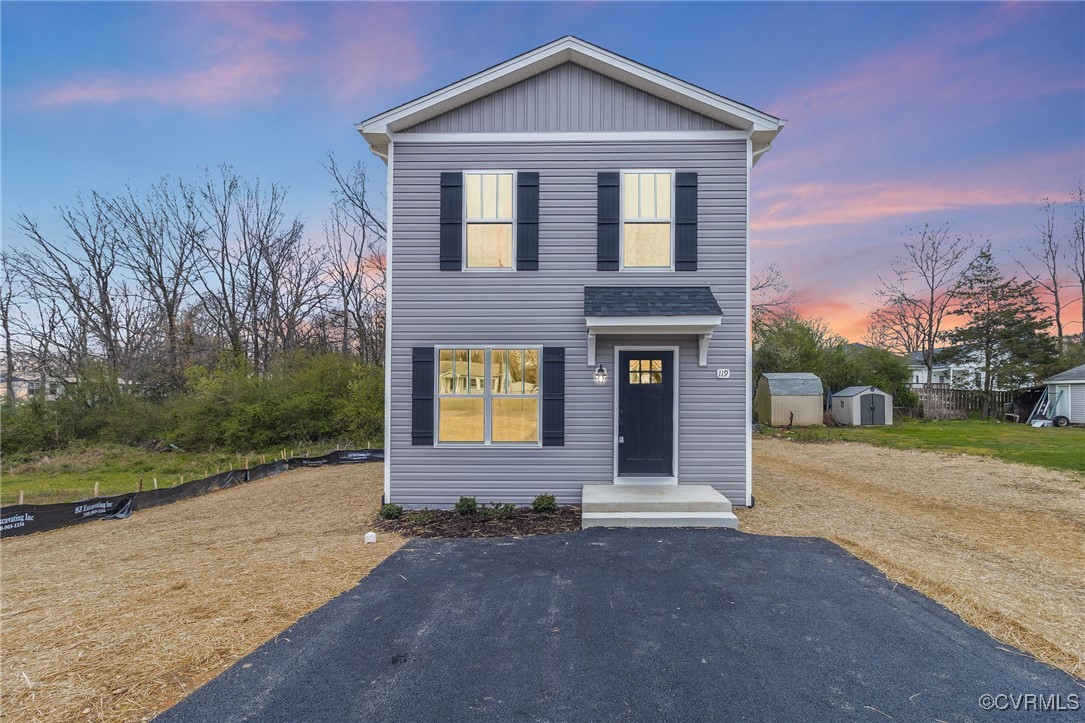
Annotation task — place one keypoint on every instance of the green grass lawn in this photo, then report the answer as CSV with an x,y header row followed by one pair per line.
x,y
69,475
1062,449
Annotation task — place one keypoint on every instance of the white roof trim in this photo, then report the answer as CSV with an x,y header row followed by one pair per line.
x,y
762,126
700,325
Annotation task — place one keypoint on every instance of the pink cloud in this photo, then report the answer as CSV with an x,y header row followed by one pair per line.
x,y
229,53
374,47
249,78
1011,182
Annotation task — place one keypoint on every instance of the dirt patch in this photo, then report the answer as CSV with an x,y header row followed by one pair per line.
x,y
1002,545
449,523
119,619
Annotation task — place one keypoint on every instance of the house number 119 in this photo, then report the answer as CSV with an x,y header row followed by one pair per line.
x,y
723,373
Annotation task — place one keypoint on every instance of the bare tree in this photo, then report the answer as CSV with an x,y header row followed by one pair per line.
x,y
81,274
922,287
1077,247
1049,252
356,240
159,237
770,294
223,290
7,296
895,326
351,193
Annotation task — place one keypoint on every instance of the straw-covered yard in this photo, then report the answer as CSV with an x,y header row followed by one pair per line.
x,y
1000,544
118,619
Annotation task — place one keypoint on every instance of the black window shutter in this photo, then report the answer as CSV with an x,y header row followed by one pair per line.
x,y
553,396
527,221
685,221
609,208
451,221
422,382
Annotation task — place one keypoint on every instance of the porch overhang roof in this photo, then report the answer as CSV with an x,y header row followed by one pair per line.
x,y
651,311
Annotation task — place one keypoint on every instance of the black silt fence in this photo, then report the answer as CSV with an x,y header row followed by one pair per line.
x,y
16,520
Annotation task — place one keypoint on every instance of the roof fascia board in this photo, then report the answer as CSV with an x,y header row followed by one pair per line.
x,y
572,137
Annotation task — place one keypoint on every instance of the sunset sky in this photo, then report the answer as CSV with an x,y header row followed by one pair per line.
x,y
898,114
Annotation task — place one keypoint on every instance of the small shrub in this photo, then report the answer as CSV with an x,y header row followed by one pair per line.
x,y
423,516
391,512
498,511
544,503
467,506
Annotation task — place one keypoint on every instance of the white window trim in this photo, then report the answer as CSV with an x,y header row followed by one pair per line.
x,y
487,395
622,221
633,480
463,217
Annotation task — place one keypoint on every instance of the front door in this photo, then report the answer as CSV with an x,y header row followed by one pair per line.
x,y
646,413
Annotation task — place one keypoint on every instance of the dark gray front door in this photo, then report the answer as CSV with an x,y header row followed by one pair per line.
x,y
645,413
872,407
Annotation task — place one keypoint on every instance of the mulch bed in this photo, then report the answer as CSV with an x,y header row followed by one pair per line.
x,y
449,523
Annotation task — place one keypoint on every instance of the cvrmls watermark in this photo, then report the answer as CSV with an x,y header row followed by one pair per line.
x,y
1054,702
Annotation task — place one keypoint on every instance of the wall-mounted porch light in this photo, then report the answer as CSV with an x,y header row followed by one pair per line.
x,y
601,375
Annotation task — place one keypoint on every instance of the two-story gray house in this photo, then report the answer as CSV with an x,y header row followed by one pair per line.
x,y
568,296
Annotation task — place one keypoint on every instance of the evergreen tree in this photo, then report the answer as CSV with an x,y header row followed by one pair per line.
x,y
1003,327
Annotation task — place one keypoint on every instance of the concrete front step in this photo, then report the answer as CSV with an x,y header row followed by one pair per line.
x,y
658,519
655,506
653,498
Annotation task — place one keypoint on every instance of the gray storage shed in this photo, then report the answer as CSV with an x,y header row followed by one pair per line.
x,y
857,406
1066,392
795,398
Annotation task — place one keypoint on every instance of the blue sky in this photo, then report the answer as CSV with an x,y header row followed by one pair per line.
x,y
898,114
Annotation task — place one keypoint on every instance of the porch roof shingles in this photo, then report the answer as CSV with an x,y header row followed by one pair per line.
x,y
650,301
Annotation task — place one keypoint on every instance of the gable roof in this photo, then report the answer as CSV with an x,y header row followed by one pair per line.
x,y
650,301
855,391
761,126
1077,374
794,384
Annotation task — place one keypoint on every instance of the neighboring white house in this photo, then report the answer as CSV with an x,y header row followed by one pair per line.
x,y
856,406
1066,397
25,388
967,374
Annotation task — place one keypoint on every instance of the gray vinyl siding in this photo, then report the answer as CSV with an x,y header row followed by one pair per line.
x,y
545,307
567,98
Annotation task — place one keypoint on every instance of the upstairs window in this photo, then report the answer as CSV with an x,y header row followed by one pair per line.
x,y
489,204
647,219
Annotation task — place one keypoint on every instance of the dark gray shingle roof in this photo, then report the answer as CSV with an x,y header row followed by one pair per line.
x,y
853,391
795,384
649,301
1077,374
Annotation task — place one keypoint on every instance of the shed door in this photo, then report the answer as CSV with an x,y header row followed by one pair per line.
x,y
1077,403
872,409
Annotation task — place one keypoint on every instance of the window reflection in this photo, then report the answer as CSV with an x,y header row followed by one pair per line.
x,y
499,385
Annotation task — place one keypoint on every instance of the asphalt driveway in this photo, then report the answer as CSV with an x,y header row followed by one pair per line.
x,y
653,625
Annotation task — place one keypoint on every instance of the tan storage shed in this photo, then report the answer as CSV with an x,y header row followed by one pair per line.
x,y
857,406
795,398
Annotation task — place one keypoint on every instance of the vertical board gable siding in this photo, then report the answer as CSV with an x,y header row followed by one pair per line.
x,y
567,98
545,307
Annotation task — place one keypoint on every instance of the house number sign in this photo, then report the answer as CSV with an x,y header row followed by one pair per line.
x,y
723,373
